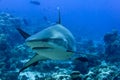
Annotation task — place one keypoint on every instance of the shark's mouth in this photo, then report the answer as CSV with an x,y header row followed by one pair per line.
x,y
41,48
36,40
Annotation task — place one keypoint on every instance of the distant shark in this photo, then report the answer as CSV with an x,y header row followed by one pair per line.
x,y
55,42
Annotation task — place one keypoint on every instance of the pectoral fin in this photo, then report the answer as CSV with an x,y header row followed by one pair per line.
x,y
23,33
32,61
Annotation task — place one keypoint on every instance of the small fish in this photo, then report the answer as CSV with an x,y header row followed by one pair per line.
x,y
35,2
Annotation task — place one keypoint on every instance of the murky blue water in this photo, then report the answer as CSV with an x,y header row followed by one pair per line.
x,y
88,20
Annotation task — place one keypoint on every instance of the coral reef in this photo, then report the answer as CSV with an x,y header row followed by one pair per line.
x,y
102,72
90,46
10,52
112,46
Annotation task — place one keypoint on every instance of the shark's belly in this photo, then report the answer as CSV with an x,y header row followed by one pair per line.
x,y
55,54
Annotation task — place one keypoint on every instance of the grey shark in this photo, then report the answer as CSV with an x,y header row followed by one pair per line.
x,y
55,42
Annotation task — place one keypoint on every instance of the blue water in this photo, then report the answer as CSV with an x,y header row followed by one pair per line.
x,y
85,18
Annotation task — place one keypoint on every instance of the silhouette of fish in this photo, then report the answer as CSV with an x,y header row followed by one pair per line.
x,y
35,2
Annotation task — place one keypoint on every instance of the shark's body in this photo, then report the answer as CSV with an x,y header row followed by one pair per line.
x,y
55,42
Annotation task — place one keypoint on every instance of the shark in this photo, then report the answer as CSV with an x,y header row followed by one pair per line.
x,y
55,42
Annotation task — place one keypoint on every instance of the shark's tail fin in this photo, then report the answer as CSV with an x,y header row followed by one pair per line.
x,y
23,33
59,16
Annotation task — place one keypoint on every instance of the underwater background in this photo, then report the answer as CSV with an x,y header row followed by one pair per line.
x,y
94,23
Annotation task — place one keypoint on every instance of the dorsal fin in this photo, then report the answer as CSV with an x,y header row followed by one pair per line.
x,y
59,16
23,33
